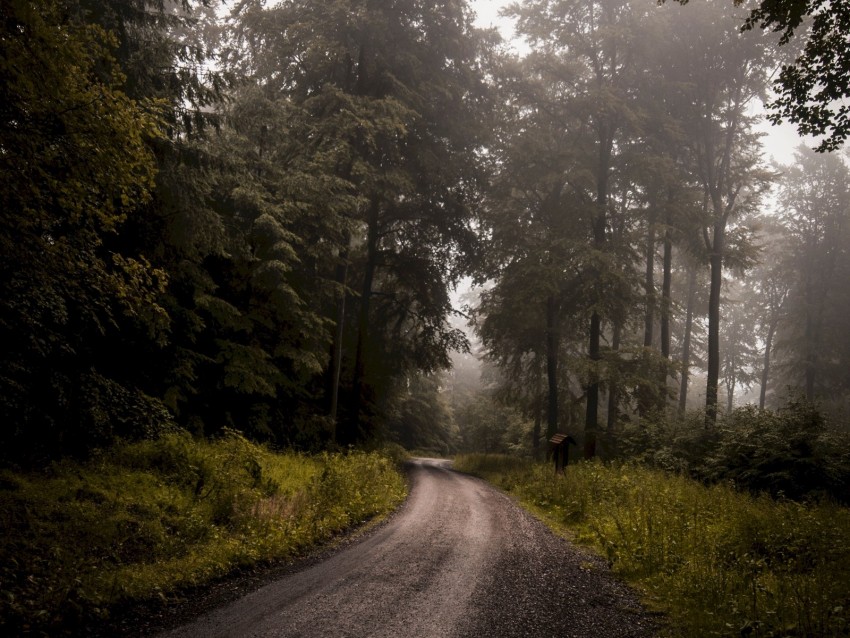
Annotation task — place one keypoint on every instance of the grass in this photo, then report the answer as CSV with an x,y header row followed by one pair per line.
x,y
717,562
147,519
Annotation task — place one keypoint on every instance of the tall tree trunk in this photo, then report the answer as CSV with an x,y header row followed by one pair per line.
x,y
613,389
809,336
600,223
535,435
811,370
649,280
816,301
552,345
713,377
686,341
765,372
538,409
666,284
646,398
336,346
730,396
592,412
360,367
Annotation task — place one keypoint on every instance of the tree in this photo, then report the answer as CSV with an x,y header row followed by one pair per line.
x,y
404,83
592,40
534,217
422,419
815,200
688,334
673,198
813,91
75,164
236,350
770,284
739,356
254,285
719,72
487,426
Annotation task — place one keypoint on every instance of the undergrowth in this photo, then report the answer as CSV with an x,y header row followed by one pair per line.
x,y
794,452
716,561
147,519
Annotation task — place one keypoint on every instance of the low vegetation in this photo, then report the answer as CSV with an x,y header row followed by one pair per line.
x,y
795,452
147,519
716,561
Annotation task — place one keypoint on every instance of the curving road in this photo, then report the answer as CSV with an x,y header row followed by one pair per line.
x,y
460,559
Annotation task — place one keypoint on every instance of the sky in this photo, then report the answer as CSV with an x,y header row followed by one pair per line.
x,y
779,141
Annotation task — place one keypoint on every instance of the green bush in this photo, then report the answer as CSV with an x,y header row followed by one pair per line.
x,y
793,452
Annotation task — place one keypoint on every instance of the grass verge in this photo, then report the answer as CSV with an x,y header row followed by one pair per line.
x,y
717,562
145,520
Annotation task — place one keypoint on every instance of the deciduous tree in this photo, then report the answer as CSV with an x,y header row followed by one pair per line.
x,y
75,162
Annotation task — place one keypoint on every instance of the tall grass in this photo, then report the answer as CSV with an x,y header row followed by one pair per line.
x,y
716,561
147,519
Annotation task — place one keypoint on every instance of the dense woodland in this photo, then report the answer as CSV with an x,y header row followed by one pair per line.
x,y
253,215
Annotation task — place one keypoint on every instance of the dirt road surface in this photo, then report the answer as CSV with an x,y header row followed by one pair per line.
x,y
460,560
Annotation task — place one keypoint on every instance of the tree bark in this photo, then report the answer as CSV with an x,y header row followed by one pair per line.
x,y
713,378
666,285
730,397
809,336
686,341
538,422
613,389
649,281
811,370
360,365
336,346
591,415
552,345
591,420
768,345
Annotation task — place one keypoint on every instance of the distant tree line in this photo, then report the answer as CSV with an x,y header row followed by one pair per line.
x,y
252,217
632,245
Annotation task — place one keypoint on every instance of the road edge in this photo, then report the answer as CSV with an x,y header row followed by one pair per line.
x,y
151,617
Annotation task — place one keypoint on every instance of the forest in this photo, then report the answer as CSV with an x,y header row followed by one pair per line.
x,y
256,216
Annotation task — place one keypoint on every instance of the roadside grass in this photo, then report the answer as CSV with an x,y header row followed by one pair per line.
x,y
715,561
147,519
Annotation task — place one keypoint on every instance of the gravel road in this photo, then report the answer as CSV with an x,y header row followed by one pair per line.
x,y
460,560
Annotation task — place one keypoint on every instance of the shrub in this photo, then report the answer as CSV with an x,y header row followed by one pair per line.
x,y
793,452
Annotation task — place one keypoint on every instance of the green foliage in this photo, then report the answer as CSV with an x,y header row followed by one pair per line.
x,y
390,102
421,420
76,163
715,561
490,427
812,338
108,411
147,519
793,452
811,90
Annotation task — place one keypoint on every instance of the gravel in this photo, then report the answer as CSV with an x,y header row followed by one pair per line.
x,y
460,559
